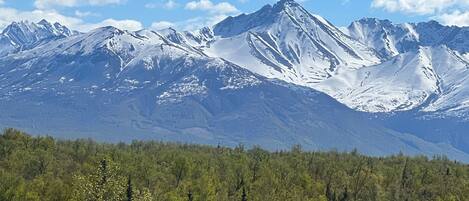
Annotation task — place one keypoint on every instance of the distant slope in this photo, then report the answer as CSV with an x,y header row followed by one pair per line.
x,y
434,79
25,35
392,39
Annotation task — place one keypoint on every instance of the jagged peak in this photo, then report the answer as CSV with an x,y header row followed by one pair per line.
x,y
386,22
18,24
206,30
282,4
373,22
28,27
431,23
45,22
168,30
266,15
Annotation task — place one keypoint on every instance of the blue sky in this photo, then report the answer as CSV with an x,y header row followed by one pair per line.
x,y
190,14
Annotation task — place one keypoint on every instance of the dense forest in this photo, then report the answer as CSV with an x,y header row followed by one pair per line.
x,y
43,168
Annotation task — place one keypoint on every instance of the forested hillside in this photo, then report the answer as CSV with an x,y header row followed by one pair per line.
x,y
43,168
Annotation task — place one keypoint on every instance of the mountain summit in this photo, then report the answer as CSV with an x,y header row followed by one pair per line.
x,y
26,35
232,26
285,41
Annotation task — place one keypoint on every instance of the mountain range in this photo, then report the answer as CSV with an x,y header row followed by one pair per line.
x,y
277,77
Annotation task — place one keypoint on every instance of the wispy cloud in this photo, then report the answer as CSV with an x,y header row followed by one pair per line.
x,y
85,14
418,6
189,24
457,18
46,4
446,11
161,25
207,5
168,4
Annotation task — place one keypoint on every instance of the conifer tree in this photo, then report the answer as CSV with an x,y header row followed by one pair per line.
x,y
406,179
189,196
129,190
103,171
345,196
330,195
244,196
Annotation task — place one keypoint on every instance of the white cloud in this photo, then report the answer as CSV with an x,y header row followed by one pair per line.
x,y
197,23
10,14
84,14
207,5
42,4
215,13
169,4
421,7
448,12
2,2
151,5
161,25
190,24
457,18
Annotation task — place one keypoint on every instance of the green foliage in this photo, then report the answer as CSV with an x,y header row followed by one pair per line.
x,y
42,168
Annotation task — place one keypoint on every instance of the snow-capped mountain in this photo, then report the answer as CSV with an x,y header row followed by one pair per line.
x,y
250,79
426,68
431,78
284,41
392,39
388,39
24,35
126,83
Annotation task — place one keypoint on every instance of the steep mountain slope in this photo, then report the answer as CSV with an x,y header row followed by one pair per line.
x,y
26,35
284,41
433,79
391,39
127,85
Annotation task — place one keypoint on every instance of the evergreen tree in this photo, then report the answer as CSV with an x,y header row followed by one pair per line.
x,y
189,196
330,195
129,190
103,171
406,179
345,196
244,197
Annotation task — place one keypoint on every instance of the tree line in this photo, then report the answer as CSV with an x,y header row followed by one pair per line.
x,y
43,168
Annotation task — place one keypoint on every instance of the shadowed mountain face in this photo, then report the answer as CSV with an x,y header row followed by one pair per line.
x,y
252,79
